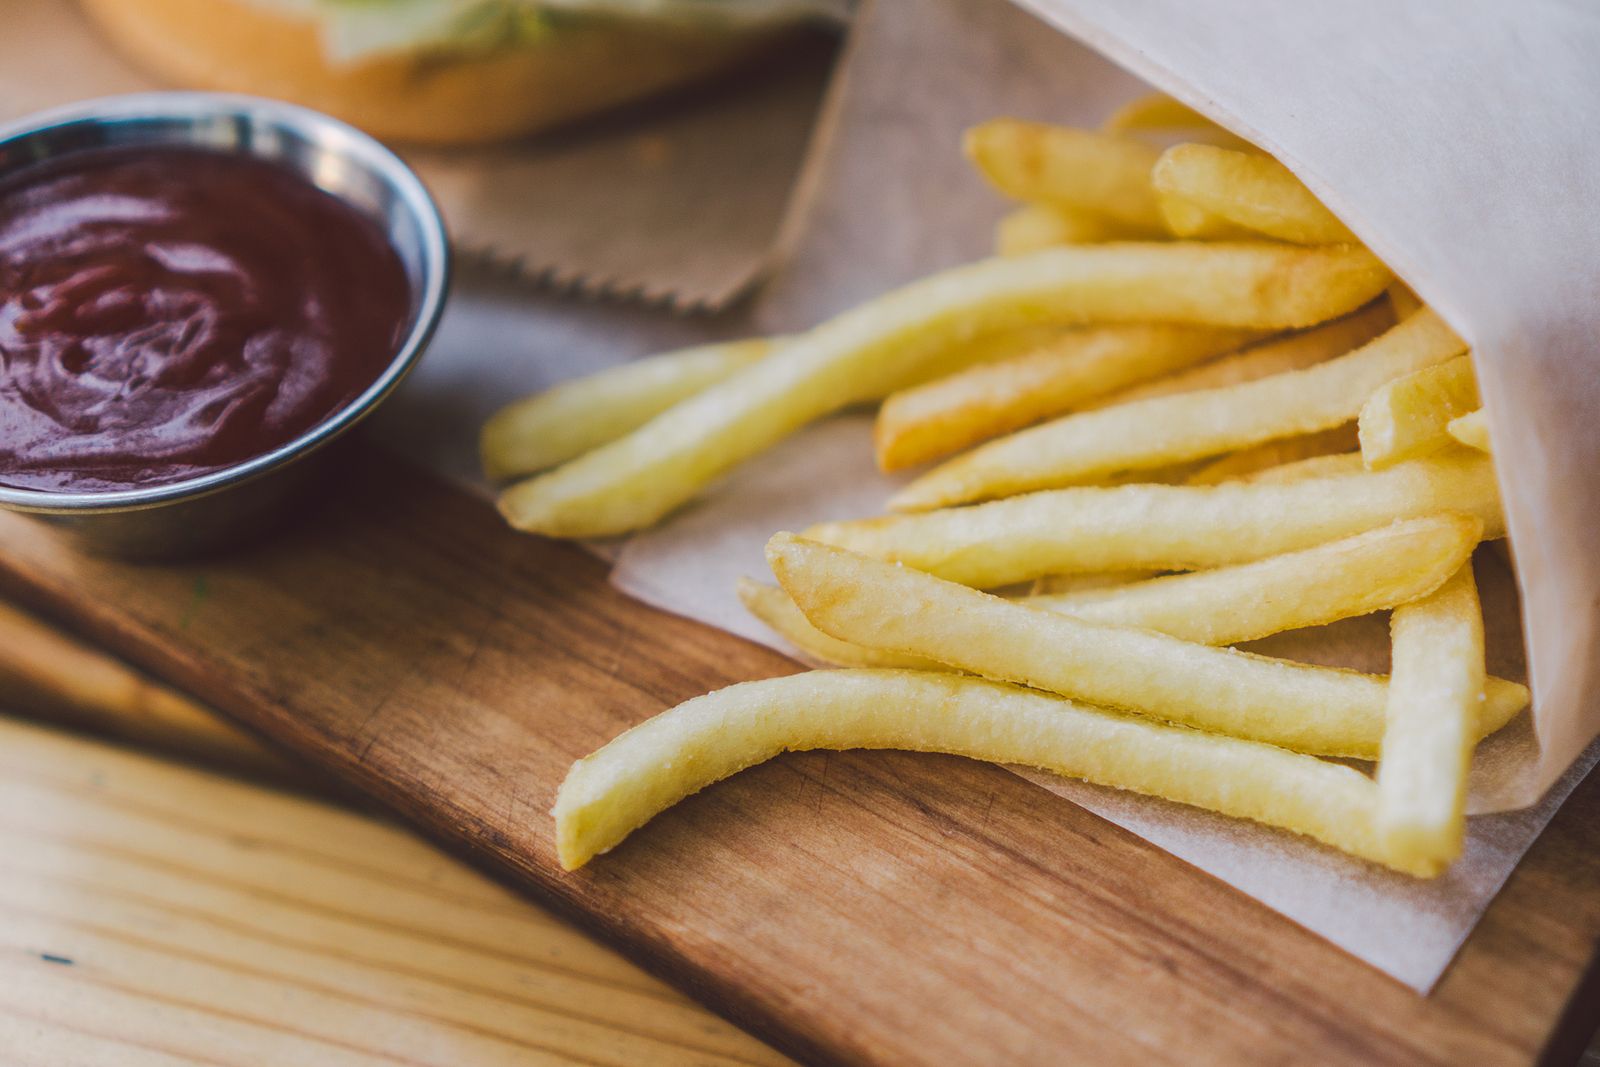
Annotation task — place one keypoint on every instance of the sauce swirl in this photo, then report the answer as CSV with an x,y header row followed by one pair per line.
x,y
167,312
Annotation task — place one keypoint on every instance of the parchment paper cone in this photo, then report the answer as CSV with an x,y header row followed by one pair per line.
x,y
1458,141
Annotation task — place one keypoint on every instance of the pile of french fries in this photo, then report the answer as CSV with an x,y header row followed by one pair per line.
x,y
1181,409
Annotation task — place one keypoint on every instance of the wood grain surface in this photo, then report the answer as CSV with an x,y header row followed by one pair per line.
x,y
48,675
854,908
154,915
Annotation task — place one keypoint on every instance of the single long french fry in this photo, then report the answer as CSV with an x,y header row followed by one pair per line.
x,y
1435,696
944,416
1165,527
575,416
1099,172
1471,429
1174,429
1342,579
1035,226
901,337
777,609
1340,440
614,791
1318,710
1369,572
1249,189
1297,351
1410,416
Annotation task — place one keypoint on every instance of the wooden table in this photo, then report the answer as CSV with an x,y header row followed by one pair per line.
x,y
155,908
153,914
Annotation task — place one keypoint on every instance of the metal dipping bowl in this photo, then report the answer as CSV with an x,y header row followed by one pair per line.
x,y
213,510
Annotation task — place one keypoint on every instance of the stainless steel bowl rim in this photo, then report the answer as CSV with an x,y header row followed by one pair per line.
x,y
328,132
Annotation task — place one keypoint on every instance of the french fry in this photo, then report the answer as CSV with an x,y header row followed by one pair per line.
x,y
1435,694
1099,172
614,791
573,417
1297,351
899,338
1318,710
1035,226
1174,429
1154,111
1404,302
1248,189
1410,416
1471,429
1247,461
1160,114
1339,580
1369,572
1164,527
933,420
1176,474
1087,581
1335,466
1189,220
996,345
777,609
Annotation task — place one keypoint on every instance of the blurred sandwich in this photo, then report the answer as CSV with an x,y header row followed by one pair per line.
x,y
449,71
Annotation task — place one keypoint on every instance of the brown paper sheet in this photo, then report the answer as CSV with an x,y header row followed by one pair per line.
x,y
683,201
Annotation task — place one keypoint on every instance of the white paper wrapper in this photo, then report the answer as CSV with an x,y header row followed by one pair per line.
x,y
1445,136
896,201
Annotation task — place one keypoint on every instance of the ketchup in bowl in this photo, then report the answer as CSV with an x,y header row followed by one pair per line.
x,y
167,312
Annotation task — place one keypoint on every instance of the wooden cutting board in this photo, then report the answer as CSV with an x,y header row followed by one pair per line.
x,y
850,908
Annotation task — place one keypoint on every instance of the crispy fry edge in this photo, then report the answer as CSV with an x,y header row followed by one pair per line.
x,y
612,792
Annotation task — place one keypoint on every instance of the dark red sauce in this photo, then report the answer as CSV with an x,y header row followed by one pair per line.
x,y
166,312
